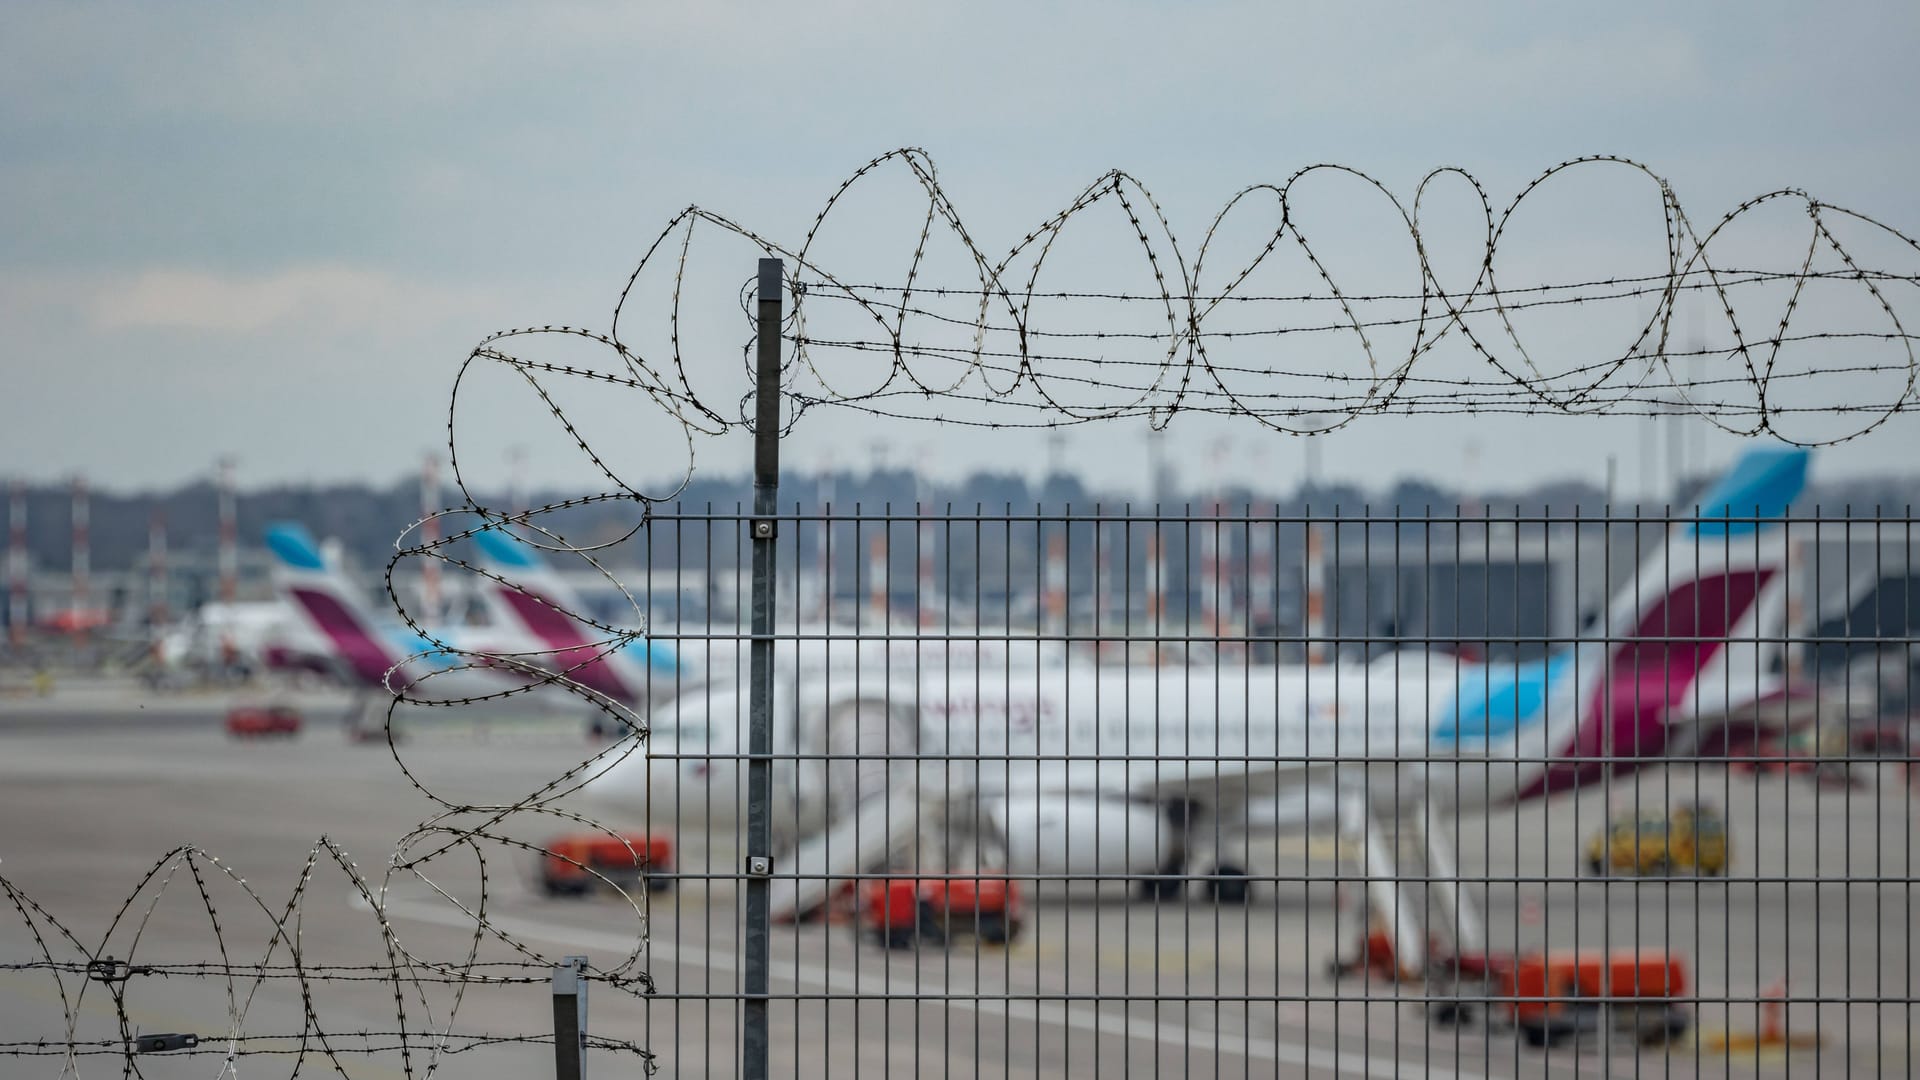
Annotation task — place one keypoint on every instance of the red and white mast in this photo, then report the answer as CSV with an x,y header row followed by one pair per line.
x,y
877,573
1214,591
1056,583
1316,621
1260,574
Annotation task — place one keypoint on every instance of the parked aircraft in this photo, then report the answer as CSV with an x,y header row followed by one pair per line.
x,y
382,653
526,592
1094,771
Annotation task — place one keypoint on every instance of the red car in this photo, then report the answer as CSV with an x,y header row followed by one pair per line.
x,y
249,721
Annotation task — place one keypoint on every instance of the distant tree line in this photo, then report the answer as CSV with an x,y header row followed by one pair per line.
x,y
367,518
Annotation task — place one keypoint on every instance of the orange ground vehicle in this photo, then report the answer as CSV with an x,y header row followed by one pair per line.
x,y
248,721
627,860
1557,995
903,911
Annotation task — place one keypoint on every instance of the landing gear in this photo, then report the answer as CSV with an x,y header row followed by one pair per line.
x,y
1229,885
1155,889
1169,884
1171,881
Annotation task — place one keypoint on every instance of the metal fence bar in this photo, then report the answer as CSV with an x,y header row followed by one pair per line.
x,y
766,495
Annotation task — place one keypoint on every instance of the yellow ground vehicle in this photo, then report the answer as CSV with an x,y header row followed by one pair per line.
x,y
1691,838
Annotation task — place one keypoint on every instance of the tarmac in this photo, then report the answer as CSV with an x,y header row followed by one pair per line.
x,y
99,784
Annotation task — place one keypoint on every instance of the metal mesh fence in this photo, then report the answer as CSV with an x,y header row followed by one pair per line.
x,y
1230,793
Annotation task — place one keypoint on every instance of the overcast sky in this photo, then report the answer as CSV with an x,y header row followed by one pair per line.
x,y
274,231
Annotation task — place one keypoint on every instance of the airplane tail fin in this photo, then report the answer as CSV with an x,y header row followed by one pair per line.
x,y
329,603
535,597
1698,633
1715,598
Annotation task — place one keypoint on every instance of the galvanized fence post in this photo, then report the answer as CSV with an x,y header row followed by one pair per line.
x,y
766,493
570,1018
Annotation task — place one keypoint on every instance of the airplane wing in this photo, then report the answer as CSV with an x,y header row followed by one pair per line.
x,y
1286,794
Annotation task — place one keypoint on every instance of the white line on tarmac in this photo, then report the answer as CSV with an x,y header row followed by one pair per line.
x,y
822,977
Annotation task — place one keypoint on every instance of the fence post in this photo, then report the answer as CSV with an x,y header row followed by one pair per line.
x,y
766,493
570,1018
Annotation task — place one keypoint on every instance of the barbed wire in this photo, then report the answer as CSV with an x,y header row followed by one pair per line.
x,y
988,371
981,365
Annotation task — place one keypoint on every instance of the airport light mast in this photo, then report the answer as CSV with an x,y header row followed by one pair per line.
x,y
157,569
82,557
923,539
229,555
430,536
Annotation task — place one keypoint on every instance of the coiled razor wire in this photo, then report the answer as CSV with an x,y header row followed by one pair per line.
x,y
980,351
977,353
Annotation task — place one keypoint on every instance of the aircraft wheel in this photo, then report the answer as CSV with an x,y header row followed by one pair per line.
x,y
1229,885
1162,888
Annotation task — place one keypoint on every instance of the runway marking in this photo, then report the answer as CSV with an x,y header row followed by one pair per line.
x,y
821,977
1325,848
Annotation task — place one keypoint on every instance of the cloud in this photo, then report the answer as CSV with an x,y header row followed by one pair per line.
x,y
333,296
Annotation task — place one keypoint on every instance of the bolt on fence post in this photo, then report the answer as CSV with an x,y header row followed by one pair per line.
x,y
570,1018
766,494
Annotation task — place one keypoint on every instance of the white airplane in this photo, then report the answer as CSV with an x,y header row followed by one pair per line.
x,y
1128,772
382,653
244,636
526,592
